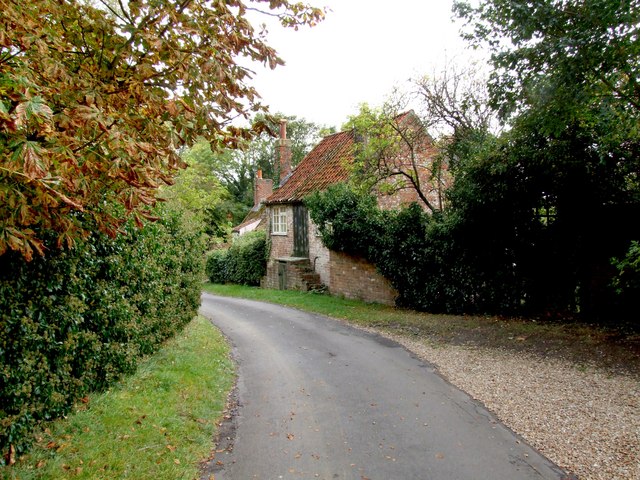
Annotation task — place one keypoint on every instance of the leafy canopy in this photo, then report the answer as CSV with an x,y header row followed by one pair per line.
x,y
566,54
96,97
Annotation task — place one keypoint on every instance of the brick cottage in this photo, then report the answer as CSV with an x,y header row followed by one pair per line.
x,y
298,259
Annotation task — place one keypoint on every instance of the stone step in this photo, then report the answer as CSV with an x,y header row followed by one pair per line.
x,y
309,277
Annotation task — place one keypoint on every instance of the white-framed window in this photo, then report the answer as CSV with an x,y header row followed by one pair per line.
x,y
279,220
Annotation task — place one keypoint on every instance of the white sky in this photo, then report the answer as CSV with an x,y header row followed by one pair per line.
x,y
357,54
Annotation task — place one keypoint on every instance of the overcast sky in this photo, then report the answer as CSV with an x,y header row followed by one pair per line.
x,y
358,54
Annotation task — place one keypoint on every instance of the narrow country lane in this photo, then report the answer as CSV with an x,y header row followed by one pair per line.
x,y
319,399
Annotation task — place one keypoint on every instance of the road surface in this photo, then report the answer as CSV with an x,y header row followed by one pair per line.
x,y
317,399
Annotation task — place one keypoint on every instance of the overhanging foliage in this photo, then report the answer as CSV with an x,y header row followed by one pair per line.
x,y
97,97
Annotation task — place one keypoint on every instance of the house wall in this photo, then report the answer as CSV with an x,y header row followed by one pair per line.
x,y
281,247
403,193
319,255
250,227
354,277
344,275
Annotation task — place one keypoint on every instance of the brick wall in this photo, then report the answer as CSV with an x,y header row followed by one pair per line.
x,y
403,192
354,277
263,188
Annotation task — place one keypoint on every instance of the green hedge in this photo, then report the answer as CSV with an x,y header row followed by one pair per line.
x,y
74,321
245,262
431,260
476,258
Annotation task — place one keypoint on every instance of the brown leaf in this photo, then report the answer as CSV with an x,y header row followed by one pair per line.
x,y
172,108
32,162
12,455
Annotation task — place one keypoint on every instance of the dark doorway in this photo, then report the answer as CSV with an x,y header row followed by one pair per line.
x,y
300,231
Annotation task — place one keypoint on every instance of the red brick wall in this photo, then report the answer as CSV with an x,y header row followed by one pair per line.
x,y
354,277
431,187
263,189
294,276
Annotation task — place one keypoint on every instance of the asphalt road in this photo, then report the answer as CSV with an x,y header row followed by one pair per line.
x,y
319,399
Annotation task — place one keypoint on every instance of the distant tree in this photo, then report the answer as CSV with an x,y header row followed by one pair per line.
x,y
304,135
236,168
97,97
454,99
197,194
570,56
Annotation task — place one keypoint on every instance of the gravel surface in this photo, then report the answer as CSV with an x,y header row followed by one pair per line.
x,y
584,419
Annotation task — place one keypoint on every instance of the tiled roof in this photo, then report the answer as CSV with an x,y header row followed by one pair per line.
x,y
325,165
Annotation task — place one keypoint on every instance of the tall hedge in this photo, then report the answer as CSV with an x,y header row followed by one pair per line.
x,y
76,320
245,262
483,255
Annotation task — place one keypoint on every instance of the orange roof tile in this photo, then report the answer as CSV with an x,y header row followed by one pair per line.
x,y
323,166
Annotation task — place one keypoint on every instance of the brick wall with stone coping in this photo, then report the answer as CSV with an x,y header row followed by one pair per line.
x,y
354,277
345,275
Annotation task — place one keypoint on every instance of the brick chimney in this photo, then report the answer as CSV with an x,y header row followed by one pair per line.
x,y
284,152
263,188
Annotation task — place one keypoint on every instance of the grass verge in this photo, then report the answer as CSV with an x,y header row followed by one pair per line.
x,y
582,344
156,424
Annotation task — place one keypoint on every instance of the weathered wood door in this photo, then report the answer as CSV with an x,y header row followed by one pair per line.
x,y
300,231
282,275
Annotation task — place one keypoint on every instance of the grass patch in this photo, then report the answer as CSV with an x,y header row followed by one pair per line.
x,y
576,342
156,424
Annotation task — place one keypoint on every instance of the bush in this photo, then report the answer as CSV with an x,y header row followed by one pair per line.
x,y
245,262
429,259
627,283
216,266
628,278
76,320
348,221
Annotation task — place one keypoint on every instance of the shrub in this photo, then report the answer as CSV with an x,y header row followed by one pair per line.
x,y
348,221
216,266
75,321
429,259
627,283
628,278
245,262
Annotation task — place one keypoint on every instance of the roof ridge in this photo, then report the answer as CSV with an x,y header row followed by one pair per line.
x,y
321,167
